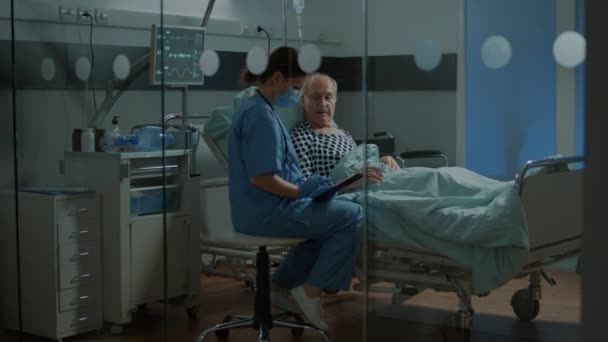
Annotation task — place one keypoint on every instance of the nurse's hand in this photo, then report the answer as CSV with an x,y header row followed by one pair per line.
x,y
312,184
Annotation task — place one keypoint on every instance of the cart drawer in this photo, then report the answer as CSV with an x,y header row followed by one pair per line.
x,y
69,232
77,209
82,319
78,264
79,297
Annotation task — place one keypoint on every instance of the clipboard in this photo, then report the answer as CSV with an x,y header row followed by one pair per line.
x,y
330,192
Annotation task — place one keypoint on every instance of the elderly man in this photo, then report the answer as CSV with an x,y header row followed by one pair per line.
x,y
318,143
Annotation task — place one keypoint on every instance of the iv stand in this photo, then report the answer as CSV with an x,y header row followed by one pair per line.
x,y
284,23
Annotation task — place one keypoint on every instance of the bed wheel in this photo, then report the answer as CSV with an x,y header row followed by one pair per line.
x,y
524,306
223,333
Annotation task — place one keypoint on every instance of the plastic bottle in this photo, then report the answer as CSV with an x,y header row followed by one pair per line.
x,y
109,141
150,139
87,140
298,6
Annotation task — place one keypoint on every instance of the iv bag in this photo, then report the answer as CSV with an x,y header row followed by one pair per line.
x,y
298,5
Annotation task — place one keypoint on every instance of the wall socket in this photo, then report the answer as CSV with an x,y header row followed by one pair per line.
x,y
85,15
78,15
246,29
101,17
67,15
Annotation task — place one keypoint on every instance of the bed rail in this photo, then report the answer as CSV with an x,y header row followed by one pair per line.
x,y
520,177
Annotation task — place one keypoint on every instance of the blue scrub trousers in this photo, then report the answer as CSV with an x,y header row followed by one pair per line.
x,y
327,259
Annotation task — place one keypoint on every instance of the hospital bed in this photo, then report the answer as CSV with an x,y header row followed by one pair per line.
x,y
553,237
552,203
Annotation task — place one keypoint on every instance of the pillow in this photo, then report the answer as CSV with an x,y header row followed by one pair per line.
x,y
355,160
218,125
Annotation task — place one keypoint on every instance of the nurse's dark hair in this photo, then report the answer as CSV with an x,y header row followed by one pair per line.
x,y
283,59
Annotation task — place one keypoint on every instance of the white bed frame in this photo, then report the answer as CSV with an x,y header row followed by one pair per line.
x,y
553,207
553,237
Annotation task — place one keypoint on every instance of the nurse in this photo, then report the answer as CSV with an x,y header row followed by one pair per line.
x,y
269,198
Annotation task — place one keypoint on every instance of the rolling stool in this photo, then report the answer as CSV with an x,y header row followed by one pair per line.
x,y
262,319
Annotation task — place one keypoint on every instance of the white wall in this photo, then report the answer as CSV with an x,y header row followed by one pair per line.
x,y
424,119
224,34
47,118
397,26
417,119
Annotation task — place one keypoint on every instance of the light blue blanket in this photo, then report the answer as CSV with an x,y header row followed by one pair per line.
x,y
477,221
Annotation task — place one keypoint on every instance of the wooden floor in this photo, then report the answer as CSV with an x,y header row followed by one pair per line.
x,y
418,320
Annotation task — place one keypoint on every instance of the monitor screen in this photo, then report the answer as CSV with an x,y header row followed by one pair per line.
x,y
181,48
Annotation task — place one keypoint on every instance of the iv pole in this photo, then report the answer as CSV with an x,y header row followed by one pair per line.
x,y
284,23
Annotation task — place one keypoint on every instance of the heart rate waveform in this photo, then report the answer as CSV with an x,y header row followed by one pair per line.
x,y
182,73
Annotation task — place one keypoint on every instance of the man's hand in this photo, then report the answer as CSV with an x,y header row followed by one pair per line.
x,y
391,162
374,174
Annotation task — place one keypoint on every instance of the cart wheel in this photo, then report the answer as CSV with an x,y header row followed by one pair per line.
x,y
116,329
297,332
524,307
222,334
192,311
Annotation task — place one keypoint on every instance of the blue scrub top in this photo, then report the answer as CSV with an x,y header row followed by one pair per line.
x,y
260,144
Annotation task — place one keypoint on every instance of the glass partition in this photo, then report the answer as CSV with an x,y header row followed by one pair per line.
x,y
88,250
458,245
119,218
9,299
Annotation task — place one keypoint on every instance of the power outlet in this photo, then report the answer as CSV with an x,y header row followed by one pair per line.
x,y
246,29
85,15
101,17
67,15
261,34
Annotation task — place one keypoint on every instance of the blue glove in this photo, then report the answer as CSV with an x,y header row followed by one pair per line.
x,y
310,186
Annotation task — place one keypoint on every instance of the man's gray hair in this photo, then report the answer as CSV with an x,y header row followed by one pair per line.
x,y
310,78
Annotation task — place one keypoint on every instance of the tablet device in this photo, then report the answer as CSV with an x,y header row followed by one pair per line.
x,y
331,191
